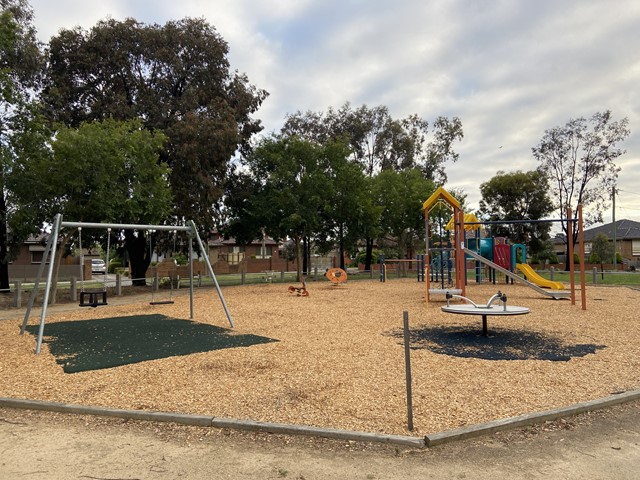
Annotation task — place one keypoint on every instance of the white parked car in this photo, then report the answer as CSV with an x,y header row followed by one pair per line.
x,y
98,266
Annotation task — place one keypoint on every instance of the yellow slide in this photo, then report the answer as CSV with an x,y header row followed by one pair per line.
x,y
533,277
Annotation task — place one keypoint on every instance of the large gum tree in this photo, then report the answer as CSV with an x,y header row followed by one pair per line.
x,y
579,159
105,171
20,66
379,142
176,79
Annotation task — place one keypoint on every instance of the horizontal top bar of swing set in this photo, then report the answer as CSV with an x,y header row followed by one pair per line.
x,y
125,226
503,222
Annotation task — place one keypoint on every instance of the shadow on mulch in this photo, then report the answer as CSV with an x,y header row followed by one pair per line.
x,y
501,344
85,345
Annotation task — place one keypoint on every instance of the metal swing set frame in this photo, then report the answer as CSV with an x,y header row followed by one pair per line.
x,y
50,253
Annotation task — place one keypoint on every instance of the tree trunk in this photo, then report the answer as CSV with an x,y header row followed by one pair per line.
x,y
139,256
341,243
296,240
368,257
4,245
304,255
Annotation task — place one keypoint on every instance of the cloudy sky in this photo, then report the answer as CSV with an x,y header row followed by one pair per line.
x,y
509,69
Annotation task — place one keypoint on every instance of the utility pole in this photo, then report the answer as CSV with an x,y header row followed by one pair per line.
x,y
613,216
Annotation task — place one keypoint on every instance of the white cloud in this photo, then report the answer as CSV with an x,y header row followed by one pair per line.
x,y
509,69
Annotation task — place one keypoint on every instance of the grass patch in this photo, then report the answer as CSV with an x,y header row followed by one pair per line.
x,y
609,278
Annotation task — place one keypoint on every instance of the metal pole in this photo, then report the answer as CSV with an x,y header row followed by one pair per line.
x,y
462,262
47,289
191,277
36,284
615,250
213,275
407,363
125,226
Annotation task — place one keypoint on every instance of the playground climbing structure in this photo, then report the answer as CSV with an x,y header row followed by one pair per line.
x,y
503,258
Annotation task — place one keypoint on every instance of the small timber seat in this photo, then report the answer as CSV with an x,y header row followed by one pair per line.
x,y
93,298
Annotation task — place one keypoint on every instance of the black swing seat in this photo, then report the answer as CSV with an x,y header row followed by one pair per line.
x,y
93,298
162,302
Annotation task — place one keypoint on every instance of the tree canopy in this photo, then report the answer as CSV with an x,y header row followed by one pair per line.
x,y
287,191
518,196
401,196
177,79
107,171
380,142
579,159
20,64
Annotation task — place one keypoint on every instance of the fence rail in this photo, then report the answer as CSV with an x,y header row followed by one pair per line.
x,y
121,285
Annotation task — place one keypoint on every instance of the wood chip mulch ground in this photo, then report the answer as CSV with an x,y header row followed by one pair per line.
x,y
338,360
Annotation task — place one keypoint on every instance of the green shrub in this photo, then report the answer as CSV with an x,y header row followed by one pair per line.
x,y
181,259
594,258
375,256
114,265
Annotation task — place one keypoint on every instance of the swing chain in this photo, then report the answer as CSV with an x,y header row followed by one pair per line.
x,y
81,260
106,268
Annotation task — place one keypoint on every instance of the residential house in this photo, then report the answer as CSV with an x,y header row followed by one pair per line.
x,y
30,255
627,235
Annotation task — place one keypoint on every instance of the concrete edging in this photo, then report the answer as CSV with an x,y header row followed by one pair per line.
x,y
348,435
209,421
529,419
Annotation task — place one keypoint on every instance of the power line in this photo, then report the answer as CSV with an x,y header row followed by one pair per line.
x,y
627,191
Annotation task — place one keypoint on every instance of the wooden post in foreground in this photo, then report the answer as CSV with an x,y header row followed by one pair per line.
x,y
407,362
570,252
583,293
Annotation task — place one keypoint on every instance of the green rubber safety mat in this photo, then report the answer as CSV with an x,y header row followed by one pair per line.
x,y
84,345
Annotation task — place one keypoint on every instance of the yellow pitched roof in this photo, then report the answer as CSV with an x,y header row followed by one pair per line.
x,y
440,194
468,218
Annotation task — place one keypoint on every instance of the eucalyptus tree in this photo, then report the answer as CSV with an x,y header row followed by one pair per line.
x,y
518,196
177,79
107,171
20,68
579,159
401,196
380,142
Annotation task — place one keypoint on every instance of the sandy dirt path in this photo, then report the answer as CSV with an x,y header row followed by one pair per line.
x,y
35,445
